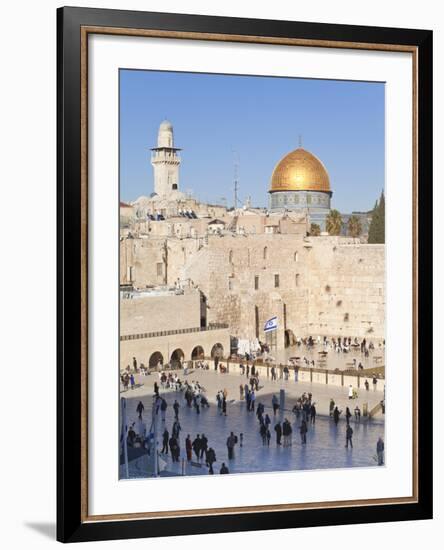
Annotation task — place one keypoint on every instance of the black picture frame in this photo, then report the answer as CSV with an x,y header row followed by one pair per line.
x,y
71,525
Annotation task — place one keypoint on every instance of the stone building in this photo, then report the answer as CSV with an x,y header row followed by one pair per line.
x,y
164,325
248,265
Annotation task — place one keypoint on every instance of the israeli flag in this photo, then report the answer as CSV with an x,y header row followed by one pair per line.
x,y
271,324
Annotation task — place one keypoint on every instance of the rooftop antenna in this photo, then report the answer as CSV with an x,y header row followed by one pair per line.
x,y
236,177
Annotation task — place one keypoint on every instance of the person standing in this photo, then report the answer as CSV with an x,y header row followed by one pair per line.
x,y
248,398
263,432
231,442
140,408
375,382
224,405
350,392
176,409
203,446
367,385
252,400
336,414
224,469
165,438
303,431
211,459
313,413
196,446
176,429
278,430
347,415
163,408
132,381
380,451
348,436
188,447
241,392
275,404
173,449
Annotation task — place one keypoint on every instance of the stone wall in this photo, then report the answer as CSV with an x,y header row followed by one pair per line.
x,y
320,285
159,313
346,294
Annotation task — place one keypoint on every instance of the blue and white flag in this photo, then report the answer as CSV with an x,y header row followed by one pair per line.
x,y
271,324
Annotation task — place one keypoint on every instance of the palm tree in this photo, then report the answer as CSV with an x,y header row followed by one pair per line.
x,y
354,226
315,230
334,222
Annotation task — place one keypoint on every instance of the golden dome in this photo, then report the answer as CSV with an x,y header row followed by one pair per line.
x,y
300,171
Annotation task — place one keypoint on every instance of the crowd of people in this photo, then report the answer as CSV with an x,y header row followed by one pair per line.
x,y
271,419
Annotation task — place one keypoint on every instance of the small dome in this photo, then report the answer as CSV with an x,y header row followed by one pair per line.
x,y
300,170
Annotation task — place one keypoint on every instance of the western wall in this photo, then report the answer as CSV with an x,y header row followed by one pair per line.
x,y
330,286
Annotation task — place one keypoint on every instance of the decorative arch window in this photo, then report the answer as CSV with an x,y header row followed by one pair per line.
x,y
265,252
230,257
297,279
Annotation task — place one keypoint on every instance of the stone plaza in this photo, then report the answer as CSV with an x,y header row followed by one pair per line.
x,y
325,446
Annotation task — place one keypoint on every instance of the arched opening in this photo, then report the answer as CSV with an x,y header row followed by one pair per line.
x,y
176,357
265,252
217,351
155,360
290,339
296,257
198,353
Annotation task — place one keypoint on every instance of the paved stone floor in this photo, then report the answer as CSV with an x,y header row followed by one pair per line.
x,y
334,360
325,442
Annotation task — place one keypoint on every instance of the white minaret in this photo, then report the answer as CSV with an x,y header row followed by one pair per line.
x,y
165,161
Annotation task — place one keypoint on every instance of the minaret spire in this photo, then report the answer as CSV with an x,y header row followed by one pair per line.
x,y
166,161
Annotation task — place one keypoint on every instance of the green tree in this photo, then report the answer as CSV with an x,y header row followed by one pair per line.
x,y
334,222
315,230
376,232
354,226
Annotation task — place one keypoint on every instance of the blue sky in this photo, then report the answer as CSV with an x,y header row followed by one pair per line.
x,y
261,119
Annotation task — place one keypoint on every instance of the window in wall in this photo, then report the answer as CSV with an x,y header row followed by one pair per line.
x,y
230,256
159,267
276,281
296,256
265,253
256,282
230,283
297,279
256,320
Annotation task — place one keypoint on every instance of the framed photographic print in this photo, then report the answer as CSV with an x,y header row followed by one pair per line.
x,y
244,274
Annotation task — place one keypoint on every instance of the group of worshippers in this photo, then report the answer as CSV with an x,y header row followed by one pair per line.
x,y
194,396
170,380
305,407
